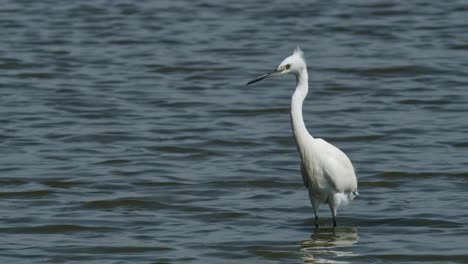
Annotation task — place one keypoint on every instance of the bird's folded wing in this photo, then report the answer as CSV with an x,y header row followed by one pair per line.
x,y
337,167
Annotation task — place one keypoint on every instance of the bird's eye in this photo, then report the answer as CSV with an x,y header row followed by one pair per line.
x,y
288,66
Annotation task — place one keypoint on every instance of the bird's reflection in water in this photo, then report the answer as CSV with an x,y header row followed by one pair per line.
x,y
327,245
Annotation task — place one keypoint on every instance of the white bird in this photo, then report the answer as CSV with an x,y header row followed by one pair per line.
x,y
326,171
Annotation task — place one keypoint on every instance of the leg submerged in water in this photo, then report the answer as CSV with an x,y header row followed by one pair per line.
x,y
315,205
335,202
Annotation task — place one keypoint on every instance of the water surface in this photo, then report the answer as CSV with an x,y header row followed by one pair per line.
x,y
128,136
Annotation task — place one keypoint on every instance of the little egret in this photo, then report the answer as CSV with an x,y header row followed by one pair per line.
x,y
326,171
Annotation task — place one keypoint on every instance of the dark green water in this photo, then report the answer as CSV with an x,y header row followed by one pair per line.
x,y
128,136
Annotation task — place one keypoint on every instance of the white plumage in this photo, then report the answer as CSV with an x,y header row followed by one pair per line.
x,y
326,171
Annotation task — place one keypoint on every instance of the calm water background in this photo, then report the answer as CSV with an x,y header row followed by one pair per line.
x,y
127,134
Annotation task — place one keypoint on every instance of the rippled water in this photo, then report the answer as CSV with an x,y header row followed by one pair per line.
x,y
128,135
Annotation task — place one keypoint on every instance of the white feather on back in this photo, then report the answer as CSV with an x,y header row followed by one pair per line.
x,y
337,167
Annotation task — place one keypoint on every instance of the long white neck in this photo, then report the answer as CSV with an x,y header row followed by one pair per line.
x,y
301,135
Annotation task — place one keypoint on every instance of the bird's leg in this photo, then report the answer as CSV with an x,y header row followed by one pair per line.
x,y
315,205
333,211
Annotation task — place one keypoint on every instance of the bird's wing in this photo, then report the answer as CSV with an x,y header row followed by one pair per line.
x,y
336,166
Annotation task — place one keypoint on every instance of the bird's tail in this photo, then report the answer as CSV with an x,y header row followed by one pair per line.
x,y
344,198
353,195
340,199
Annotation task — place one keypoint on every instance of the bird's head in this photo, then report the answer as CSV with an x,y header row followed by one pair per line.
x,y
293,64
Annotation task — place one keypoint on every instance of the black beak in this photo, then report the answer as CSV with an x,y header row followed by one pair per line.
x,y
264,76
